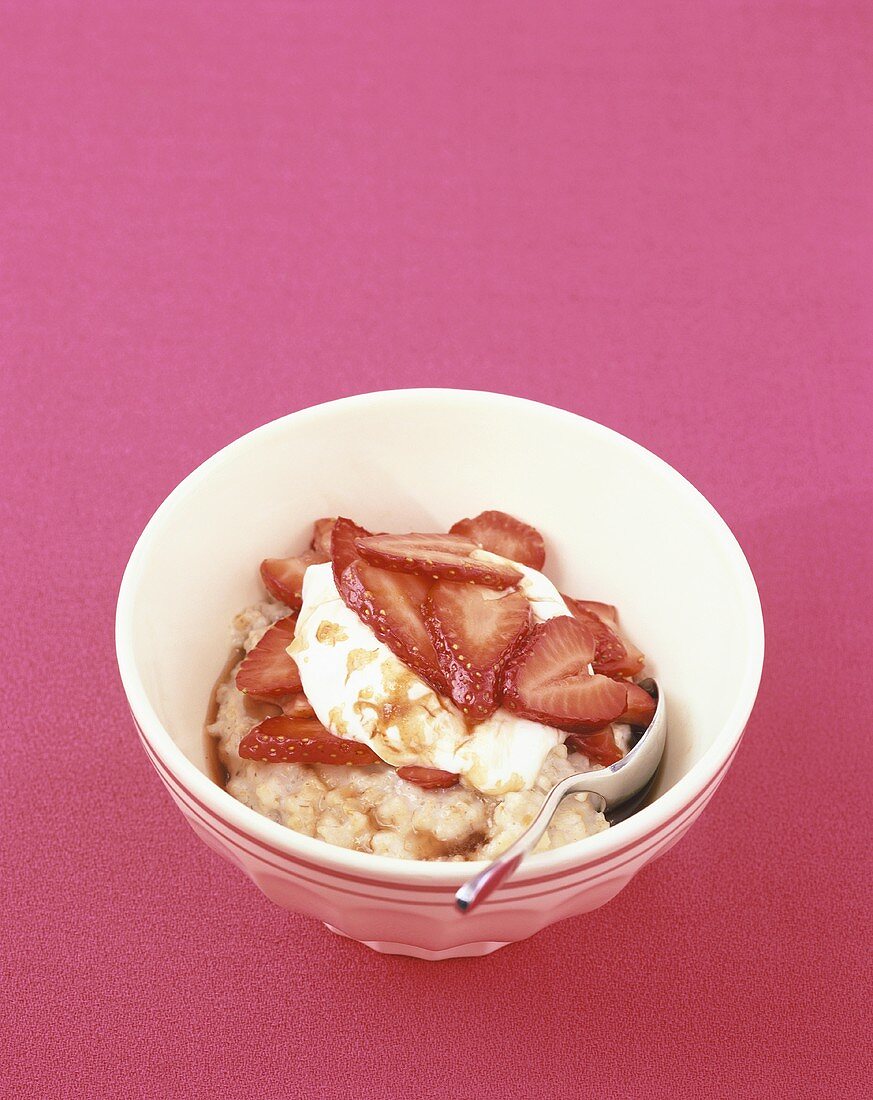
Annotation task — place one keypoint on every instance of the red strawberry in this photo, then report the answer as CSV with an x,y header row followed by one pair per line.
x,y
599,747
321,533
284,740
610,654
547,679
505,535
606,611
267,671
633,666
473,632
283,577
614,656
439,557
297,706
391,605
428,778
342,545
640,706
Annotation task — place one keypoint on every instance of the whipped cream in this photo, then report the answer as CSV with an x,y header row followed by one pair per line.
x,y
546,601
360,690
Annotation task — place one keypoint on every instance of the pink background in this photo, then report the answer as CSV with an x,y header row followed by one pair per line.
x,y
658,215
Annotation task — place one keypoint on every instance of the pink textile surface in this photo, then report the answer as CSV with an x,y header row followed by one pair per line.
x,y
656,215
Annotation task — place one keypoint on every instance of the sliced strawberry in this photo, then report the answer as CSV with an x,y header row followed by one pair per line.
x,y
297,706
473,632
610,653
428,778
547,679
614,656
505,535
599,747
284,740
283,577
342,545
606,611
640,706
439,557
391,605
636,659
321,533
267,671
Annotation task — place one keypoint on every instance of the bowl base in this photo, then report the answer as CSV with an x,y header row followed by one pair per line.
x,y
460,951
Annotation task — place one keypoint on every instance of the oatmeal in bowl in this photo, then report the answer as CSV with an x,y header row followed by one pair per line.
x,y
618,524
417,695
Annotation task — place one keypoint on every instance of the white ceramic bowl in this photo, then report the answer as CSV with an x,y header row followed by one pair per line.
x,y
620,526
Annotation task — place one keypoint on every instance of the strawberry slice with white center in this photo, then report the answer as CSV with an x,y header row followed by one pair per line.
x,y
547,679
610,654
599,747
267,671
429,779
321,535
614,655
391,604
438,557
283,577
342,545
504,535
473,632
640,708
283,740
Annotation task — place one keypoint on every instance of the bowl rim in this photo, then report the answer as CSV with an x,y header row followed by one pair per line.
x,y
621,838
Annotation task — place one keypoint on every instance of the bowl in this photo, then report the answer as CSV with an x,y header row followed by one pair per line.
x,y
620,526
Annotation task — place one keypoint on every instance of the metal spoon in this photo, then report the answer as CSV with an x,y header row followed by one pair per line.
x,y
617,791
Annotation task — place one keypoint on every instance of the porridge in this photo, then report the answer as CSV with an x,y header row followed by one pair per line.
x,y
417,696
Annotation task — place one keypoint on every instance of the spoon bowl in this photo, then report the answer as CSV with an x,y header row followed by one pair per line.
x,y
622,780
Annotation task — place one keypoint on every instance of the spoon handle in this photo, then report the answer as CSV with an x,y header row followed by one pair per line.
x,y
481,885
622,785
